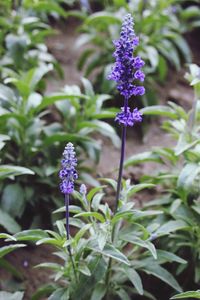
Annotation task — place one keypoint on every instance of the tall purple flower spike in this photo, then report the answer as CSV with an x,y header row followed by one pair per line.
x,y
126,71
68,172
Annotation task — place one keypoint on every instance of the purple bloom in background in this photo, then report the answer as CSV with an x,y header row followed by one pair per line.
x,y
83,189
85,5
127,67
68,172
128,118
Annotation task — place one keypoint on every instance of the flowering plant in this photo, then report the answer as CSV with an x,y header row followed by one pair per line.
x,y
109,249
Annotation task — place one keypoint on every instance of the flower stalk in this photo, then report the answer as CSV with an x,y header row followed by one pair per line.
x,y
127,73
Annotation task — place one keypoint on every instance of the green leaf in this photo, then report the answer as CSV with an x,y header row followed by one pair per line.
x,y
169,257
10,296
82,267
104,18
161,273
48,7
95,215
110,251
72,208
110,181
8,222
159,110
88,87
137,214
84,57
9,170
43,291
3,138
107,130
96,201
64,137
81,232
53,266
123,294
7,94
171,226
51,241
50,100
142,157
134,277
7,236
7,249
182,45
138,187
186,295
139,242
59,294
122,214
31,235
13,201
187,176
99,291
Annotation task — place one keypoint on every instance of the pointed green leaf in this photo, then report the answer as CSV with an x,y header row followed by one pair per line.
x,y
7,249
186,295
139,242
134,277
163,274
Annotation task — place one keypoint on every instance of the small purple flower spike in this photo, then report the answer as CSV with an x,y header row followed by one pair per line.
x,y
128,118
68,172
126,69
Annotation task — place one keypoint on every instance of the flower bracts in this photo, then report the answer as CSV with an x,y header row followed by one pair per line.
x,y
68,172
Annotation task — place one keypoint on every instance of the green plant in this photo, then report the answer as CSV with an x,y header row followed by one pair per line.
x,y
36,138
22,42
179,181
132,251
9,171
160,26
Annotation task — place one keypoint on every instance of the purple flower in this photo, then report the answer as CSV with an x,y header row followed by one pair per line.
x,y
126,69
128,118
85,5
83,189
68,172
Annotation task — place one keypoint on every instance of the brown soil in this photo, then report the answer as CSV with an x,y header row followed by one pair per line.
x,y
25,260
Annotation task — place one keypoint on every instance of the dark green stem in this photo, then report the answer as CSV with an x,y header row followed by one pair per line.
x,y
119,181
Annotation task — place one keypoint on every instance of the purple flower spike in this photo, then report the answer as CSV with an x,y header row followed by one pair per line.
x,y
128,118
68,172
126,69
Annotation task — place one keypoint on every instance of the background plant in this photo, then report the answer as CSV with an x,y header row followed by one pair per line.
x,y
160,26
36,134
179,181
22,41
